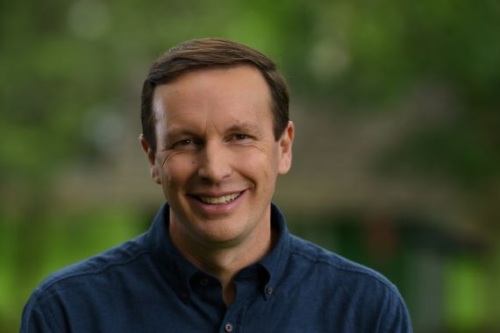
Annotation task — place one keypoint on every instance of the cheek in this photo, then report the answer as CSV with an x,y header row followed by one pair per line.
x,y
259,163
176,170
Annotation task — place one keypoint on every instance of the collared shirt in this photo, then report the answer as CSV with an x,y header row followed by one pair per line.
x,y
145,285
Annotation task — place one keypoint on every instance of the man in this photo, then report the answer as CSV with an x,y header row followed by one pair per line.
x,y
218,256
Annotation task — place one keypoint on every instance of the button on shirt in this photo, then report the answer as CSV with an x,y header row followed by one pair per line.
x,y
146,285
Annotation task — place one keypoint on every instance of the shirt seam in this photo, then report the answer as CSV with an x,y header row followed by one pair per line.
x,y
46,288
365,272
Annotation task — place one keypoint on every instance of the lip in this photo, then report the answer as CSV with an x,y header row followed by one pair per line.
x,y
210,209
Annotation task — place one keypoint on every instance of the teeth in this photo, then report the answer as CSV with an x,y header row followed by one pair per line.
x,y
219,200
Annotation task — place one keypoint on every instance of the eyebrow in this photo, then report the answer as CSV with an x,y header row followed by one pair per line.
x,y
244,127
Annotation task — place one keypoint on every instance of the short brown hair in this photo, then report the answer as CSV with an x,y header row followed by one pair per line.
x,y
212,52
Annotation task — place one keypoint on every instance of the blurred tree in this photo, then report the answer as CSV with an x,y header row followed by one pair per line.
x,y
67,64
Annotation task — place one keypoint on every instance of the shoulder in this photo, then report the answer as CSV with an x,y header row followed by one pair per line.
x,y
337,269
94,271
367,298
82,290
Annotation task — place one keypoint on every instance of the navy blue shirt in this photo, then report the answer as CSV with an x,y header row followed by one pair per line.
x,y
146,285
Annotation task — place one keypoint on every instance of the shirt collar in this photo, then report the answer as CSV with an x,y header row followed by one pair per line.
x,y
178,271
275,262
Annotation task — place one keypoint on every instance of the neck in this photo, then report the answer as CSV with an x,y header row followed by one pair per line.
x,y
224,262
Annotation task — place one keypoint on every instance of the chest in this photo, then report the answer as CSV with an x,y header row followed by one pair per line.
x,y
299,310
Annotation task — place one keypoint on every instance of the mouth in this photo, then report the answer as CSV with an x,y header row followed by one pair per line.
x,y
224,199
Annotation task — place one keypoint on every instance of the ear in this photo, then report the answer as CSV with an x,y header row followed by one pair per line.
x,y
285,148
153,168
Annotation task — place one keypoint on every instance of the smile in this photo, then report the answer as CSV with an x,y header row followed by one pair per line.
x,y
219,200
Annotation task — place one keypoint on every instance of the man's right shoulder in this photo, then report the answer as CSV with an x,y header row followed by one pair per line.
x,y
94,269
82,291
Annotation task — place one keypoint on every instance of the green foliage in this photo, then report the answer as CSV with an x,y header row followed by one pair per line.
x,y
65,62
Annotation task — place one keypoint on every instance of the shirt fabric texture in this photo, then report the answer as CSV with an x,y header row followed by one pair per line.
x,y
145,285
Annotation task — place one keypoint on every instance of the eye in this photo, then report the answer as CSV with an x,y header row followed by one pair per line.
x,y
240,137
183,144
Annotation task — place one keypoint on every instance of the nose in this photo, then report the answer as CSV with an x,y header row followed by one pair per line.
x,y
215,163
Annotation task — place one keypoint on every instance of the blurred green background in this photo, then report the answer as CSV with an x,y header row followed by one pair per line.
x,y
396,161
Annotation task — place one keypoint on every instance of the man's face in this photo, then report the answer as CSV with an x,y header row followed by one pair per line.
x,y
217,159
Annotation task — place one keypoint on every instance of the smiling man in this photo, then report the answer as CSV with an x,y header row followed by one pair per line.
x,y
218,256
217,160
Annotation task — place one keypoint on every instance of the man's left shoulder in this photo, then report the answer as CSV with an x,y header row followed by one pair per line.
x,y
369,301
336,268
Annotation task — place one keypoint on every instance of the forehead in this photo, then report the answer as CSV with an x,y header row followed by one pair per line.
x,y
239,90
